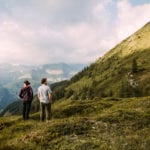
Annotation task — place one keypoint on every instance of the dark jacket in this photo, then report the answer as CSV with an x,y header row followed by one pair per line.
x,y
26,94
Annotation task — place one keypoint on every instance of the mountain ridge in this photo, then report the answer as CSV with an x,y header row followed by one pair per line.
x,y
132,42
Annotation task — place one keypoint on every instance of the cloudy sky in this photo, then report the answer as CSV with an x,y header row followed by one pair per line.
x,y
71,31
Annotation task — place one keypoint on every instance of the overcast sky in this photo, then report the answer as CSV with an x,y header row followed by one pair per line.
x,y
71,31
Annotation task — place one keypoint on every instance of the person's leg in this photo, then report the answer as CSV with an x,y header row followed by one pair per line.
x,y
42,113
24,111
28,109
48,111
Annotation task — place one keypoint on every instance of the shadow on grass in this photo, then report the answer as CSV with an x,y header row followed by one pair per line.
x,y
136,119
6,147
83,109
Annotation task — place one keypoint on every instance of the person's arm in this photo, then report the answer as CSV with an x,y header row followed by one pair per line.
x,y
20,93
38,95
31,93
50,97
50,94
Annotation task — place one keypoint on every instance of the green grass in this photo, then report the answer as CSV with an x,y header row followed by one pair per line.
x,y
100,124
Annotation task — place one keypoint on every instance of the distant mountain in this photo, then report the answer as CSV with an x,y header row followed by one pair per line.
x,y
54,72
5,98
13,75
15,108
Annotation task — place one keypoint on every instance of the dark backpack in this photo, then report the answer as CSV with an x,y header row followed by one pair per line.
x,y
26,94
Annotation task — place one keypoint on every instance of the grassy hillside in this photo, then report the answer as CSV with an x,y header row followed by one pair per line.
x,y
100,124
122,72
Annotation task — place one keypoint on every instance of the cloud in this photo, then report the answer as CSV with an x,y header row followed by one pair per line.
x,y
51,31
131,18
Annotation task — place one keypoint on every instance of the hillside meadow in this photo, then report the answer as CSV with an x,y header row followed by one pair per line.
x,y
100,124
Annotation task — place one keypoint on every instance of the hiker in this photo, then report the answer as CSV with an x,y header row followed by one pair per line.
x,y
45,98
26,93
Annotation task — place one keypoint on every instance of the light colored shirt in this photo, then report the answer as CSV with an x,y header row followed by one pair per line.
x,y
43,92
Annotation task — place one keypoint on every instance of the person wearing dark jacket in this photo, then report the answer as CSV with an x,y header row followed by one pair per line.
x,y
26,94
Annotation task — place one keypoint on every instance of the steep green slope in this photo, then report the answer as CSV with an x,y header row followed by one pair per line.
x,y
137,42
100,124
122,72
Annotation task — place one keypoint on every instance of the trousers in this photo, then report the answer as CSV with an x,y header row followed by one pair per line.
x,y
26,109
45,111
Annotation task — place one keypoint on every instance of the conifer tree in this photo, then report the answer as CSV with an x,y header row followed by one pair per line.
x,y
134,66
